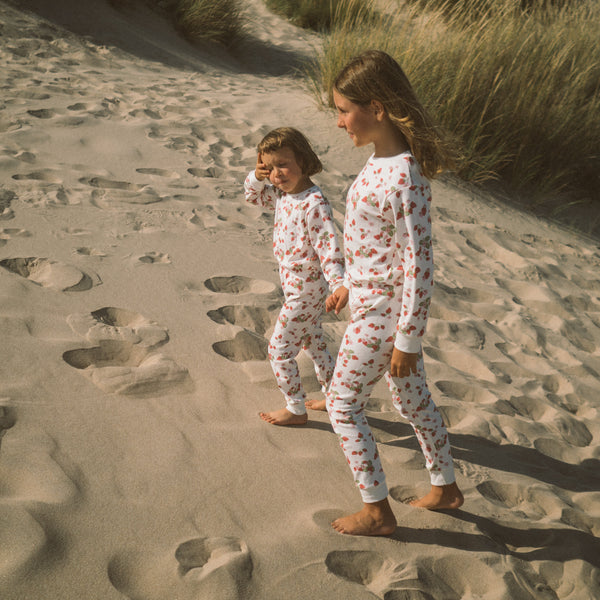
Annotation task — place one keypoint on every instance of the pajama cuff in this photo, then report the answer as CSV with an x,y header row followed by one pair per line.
x,y
407,343
296,407
443,477
254,181
375,493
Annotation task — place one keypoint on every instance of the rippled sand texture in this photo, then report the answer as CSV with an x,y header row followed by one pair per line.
x,y
137,295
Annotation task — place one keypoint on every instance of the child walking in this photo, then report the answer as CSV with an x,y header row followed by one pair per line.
x,y
309,257
389,275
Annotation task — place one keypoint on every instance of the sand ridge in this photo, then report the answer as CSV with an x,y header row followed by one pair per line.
x,y
137,295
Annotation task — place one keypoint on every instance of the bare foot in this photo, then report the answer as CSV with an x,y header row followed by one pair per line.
x,y
283,417
315,404
441,497
375,518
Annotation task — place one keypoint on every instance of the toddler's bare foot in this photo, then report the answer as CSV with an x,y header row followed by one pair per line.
x,y
441,497
283,417
315,404
374,519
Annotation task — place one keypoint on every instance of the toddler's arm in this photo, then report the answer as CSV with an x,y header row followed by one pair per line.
x,y
319,222
257,188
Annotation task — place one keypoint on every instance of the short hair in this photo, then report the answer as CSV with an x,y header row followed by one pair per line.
x,y
288,137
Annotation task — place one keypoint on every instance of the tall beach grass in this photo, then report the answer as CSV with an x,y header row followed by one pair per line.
x,y
214,20
320,15
519,90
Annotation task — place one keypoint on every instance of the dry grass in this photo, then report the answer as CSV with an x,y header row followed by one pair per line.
x,y
519,90
214,20
320,15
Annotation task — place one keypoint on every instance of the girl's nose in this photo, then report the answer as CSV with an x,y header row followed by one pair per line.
x,y
340,122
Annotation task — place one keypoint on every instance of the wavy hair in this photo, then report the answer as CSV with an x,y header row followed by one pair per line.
x,y
375,75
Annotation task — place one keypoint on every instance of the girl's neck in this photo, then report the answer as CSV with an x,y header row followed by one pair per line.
x,y
390,141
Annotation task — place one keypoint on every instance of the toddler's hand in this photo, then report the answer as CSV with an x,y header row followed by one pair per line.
x,y
261,171
337,300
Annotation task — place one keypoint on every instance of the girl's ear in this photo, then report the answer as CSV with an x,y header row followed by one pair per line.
x,y
378,109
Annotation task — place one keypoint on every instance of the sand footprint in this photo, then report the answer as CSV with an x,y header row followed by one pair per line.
x,y
239,284
215,568
110,323
366,568
248,344
125,360
255,318
155,258
533,502
8,234
124,368
51,274
423,578
6,199
110,194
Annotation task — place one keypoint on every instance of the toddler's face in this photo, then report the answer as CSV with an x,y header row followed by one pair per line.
x,y
284,171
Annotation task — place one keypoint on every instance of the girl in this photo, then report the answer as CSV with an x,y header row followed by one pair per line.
x,y
309,257
389,269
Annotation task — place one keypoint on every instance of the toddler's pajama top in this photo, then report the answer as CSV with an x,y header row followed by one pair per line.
x,y
389,273
310,263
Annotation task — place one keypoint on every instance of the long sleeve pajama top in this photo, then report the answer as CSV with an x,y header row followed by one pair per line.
x,y
387,239
304,239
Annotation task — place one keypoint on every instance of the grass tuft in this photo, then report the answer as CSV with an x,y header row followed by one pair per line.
x,y
214,20
320,15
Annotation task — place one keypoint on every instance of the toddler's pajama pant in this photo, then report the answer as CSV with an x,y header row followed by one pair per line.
x,y
364,355
299,328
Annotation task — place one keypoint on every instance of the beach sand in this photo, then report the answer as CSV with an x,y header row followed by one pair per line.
x,y
137,295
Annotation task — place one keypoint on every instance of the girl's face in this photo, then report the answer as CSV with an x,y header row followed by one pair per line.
x,y
284,171
359,121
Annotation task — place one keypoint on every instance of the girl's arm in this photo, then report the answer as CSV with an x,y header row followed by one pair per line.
x,y
258,189
413,210
319,223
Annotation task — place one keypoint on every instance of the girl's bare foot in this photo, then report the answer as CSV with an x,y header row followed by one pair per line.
x,y
441,497
375,518
315,404
283,417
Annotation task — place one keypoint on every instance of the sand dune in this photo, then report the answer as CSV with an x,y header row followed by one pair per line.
x,y
138,292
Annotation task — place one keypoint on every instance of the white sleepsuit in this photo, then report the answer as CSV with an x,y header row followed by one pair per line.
x,y
389,273
310,263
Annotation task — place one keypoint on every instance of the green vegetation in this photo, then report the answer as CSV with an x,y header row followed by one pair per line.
x,y
321,15
214,20
218,21
518,89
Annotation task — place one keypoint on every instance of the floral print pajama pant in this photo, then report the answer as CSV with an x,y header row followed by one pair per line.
x,y
364,356
299,328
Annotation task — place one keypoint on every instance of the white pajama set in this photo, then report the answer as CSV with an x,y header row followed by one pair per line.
x,y
389,273
310,264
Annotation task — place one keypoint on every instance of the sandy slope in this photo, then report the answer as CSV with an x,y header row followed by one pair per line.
x,y
136,297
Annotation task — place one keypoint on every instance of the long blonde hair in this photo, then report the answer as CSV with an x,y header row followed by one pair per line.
x,y
375,75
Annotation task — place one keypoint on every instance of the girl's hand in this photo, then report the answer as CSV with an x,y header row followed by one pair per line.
x,y
337,300
261,171
403,363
